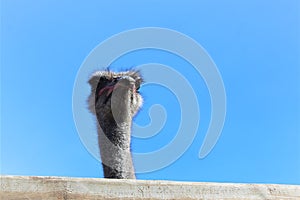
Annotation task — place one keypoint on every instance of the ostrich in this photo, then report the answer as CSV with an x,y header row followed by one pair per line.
x,y
115,100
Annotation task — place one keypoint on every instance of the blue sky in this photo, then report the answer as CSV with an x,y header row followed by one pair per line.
x,y
255,45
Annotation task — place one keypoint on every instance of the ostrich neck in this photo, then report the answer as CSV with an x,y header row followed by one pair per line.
x,y
114,139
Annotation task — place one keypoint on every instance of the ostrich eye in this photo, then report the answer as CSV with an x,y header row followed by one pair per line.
x,y
137,87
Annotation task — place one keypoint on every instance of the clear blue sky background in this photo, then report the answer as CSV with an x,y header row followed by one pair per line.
x,y
255,44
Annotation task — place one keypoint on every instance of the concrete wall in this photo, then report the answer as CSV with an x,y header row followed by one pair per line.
x,y
20,187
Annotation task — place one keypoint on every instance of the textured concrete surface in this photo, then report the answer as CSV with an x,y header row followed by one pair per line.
x,y
21,187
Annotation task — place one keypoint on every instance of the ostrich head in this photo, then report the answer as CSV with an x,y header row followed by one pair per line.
x,y
112,91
